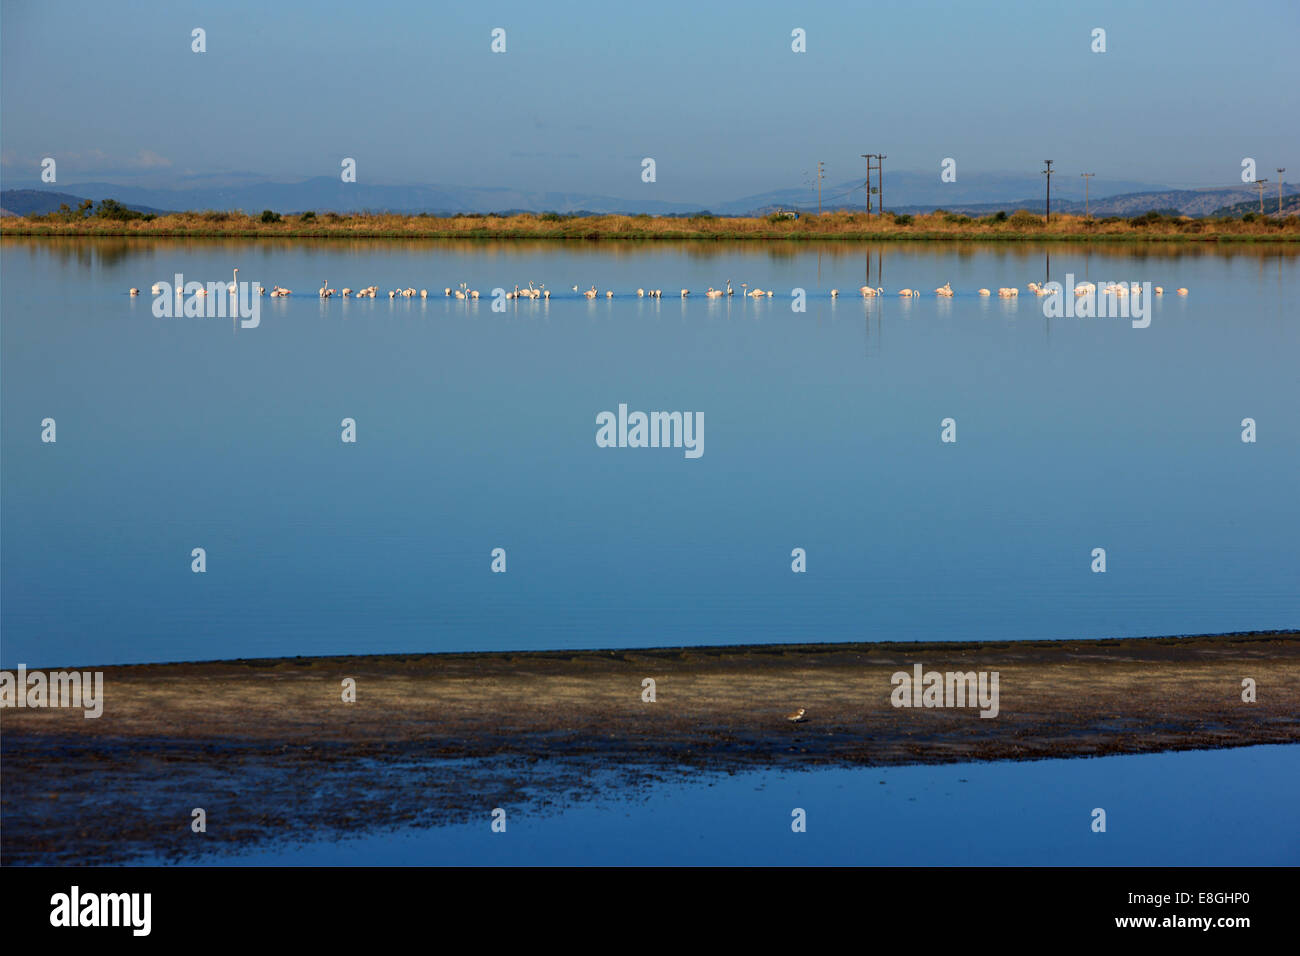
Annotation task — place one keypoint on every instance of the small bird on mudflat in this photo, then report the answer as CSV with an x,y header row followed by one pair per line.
x,y
797,717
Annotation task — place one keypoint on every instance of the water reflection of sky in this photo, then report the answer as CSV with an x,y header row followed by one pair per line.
x,y
1225,807
476,430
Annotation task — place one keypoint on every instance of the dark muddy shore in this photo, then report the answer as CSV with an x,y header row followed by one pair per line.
x,y
270,750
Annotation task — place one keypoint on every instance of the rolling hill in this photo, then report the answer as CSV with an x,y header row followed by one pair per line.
x,y
976,195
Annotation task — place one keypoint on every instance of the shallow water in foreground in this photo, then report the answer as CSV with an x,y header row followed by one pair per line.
x,y
476,430
1192,808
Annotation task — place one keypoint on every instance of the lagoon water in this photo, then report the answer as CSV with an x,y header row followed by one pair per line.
x,y
1194,808
476,430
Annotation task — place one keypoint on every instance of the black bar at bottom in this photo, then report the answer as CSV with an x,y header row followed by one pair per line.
x,y
655,906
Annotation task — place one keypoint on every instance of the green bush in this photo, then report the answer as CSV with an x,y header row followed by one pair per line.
x,y
308,216
112,209
1024,219
269,216
66,213
902,219
1155,216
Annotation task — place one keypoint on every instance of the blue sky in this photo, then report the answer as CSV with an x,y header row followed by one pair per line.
x,y
585,90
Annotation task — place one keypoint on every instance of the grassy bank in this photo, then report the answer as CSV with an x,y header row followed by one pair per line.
x,y
1018,226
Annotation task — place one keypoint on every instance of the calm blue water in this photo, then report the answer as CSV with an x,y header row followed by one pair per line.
x,y
1195,808
476,430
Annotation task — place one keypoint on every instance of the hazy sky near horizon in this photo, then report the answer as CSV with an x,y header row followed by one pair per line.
x,y
586,90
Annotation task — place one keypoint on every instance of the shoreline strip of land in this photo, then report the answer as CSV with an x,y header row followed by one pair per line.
x,y
273,745
1020,226
1061,692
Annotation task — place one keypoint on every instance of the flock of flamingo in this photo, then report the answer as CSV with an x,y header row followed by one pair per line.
x,y
1010,292
463,291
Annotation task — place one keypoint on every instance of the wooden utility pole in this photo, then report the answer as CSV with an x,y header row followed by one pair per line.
x,y
820,164
867,157
1086,176
1259,186
1279,190
878,168
1048,173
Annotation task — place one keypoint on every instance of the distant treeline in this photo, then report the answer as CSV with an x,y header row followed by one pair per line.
x,y
109,209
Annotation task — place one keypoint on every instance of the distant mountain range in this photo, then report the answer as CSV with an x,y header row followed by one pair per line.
x,y
973,194
911,191
1227,201
38,202
1290,204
